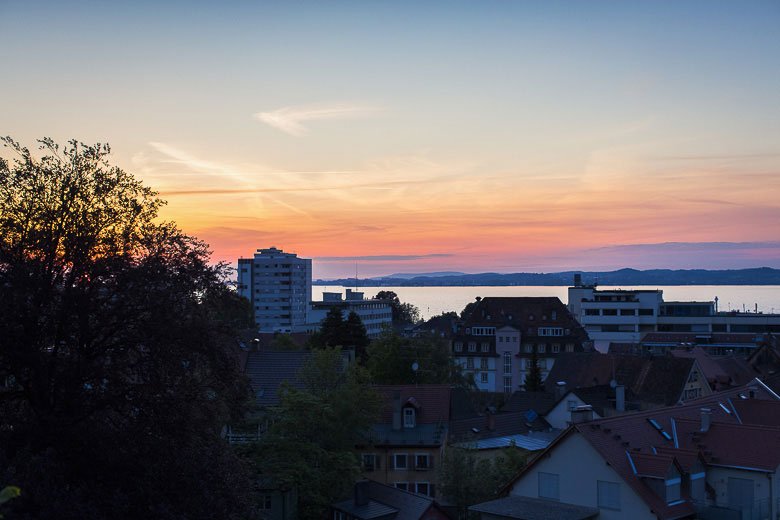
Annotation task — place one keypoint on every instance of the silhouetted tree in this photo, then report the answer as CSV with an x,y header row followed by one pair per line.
x,y
311,441
403,313
533,381
390,359
337,332
115,346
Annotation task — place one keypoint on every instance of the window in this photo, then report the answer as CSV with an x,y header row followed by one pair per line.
x,y
408,417
507,363
571,404
265,502
501,339
543,363
483,363
570,347
507,384
646,312
400,461
541,348
458,346
401,485
472,346
470,362
608,494
483,377
548,485
672,490
368,461
528,347
627,312
486,347
423,488
556,348
550,331
591,312
422,461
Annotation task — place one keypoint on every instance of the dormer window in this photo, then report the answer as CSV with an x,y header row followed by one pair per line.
x,y
409,418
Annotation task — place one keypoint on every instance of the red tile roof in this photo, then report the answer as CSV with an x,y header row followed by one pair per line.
x,y
669,432
432,401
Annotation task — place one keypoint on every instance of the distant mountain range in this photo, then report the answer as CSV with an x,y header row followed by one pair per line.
x,y
654,277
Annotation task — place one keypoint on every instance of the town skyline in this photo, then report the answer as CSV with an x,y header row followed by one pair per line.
x,y
512,137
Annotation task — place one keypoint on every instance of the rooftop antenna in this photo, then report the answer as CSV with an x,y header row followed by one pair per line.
x,y
356,276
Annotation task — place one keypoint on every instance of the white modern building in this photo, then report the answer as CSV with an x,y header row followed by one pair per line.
x,y
375,314
279,286
625,316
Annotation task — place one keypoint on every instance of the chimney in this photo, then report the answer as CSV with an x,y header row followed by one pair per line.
x,y
397,410
361,493
620,398
491,420
706,419
560,390
582,414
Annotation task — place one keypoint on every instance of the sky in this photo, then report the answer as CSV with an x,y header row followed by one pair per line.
x,y
391,137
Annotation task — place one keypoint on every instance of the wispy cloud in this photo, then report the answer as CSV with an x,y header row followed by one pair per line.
x,y
381,258
677,246
289,119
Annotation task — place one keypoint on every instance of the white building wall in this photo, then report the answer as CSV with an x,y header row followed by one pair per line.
x,y
763,487
579,467
560,416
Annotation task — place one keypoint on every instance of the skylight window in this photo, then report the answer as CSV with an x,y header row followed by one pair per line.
x,y
666,435
725,408
655,424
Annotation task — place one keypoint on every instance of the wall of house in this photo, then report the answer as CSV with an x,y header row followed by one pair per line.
x,y
386,473
560,416
579,467
696,386
763,487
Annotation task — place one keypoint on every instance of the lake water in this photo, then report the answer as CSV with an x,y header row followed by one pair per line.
x,y
435,300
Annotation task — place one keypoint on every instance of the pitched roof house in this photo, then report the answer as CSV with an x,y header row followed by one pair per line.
x,y
712,455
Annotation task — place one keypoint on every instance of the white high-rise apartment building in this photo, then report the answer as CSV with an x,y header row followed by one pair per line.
x,y
279,286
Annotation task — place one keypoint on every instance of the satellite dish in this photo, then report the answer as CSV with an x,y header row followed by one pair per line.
x,y
613,384
415,366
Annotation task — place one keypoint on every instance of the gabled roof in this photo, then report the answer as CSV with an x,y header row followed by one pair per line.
x,y
669,432
539,402
720,372
433,402
658,380
503,424
268,368
522,312
408,506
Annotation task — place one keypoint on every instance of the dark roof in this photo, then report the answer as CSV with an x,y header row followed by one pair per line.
x,y
658,380
267,369
522,312
539,402
721,372
409,506
504,424
461,404
526,508
615,438
441,325
433,401
420,435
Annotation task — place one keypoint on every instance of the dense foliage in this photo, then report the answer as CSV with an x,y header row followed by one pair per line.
x,y
391,358
311,442
534,381
113,349
338,332
466,479
404,314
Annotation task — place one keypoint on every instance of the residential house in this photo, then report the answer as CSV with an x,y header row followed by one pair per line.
x,y
371,500
497,338
405,449
715,457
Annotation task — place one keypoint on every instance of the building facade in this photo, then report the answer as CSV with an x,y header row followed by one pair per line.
x,y
500,336
625,316
375,314
279,286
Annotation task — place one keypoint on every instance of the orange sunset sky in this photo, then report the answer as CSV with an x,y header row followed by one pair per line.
x,y
518,136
